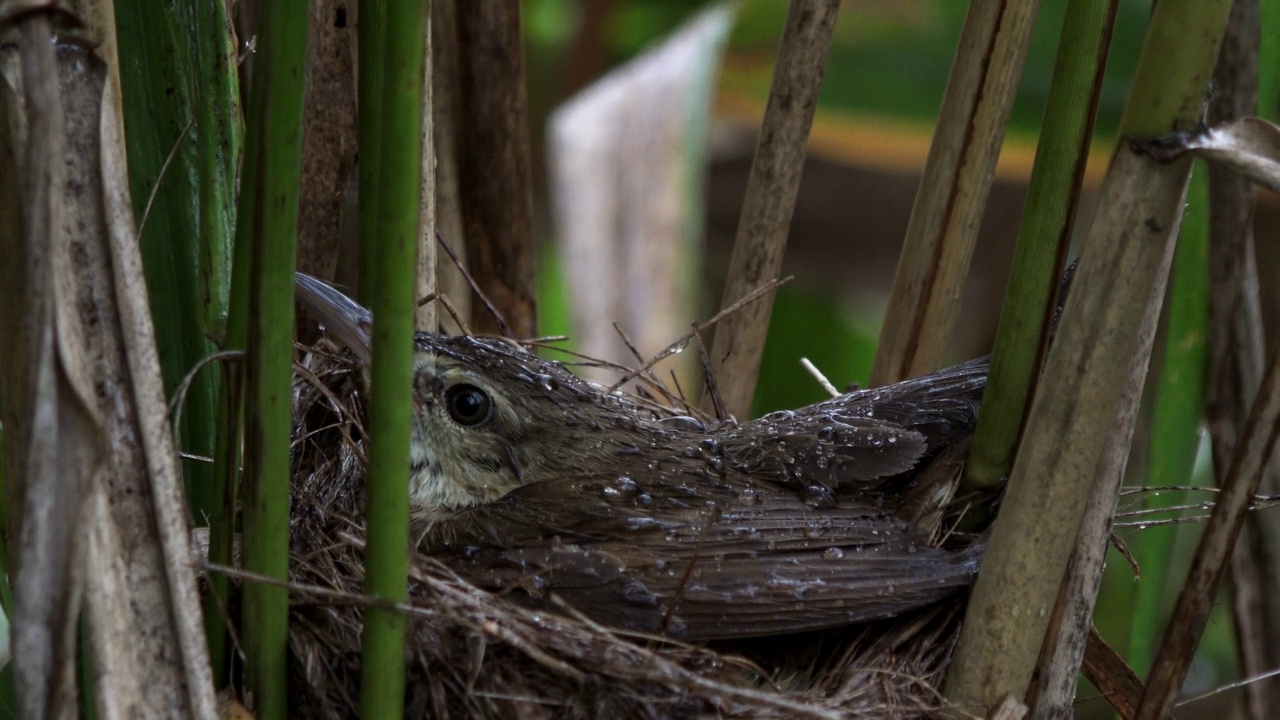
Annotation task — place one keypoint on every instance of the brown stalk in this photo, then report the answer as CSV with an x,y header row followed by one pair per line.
x,y
494,162
1053,692
1236,357
1123,267
1117,682
328,137
770,200
953,190
1258,438
450,280
426,316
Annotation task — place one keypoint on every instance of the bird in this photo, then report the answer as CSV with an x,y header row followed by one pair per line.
x,y
531,482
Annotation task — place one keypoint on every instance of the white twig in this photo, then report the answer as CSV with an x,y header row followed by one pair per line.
x,y
817,375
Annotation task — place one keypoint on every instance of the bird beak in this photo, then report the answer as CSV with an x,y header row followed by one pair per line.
x,y
342,318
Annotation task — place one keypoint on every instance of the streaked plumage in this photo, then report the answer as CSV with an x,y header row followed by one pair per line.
x,y
528,480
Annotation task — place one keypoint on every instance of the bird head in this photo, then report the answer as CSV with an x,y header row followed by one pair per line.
x,y
488,415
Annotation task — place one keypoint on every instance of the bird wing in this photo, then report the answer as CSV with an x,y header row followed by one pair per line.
x,y
705,564
806,521
863,438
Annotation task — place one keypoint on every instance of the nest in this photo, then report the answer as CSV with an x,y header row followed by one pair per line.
x,y
472,653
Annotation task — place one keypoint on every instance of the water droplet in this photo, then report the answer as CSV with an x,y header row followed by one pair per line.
x,y
817,496
748,497
684,421
638,594
833,553
623,488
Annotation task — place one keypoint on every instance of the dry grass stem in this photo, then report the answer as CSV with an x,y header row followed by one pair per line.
x,y
494,161
498,320
1054,692
953,191
771,194
1259,437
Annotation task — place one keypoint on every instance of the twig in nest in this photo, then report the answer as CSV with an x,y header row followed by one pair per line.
x,y
684,399
699,327
817,375
691,681
475,287
317,591
709,375
547,341
653,378
638,375
448,306
342,412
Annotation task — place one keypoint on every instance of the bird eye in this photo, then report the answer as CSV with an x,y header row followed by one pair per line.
x,y
468,405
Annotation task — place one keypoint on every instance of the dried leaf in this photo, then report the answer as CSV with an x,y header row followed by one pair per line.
x,y
1248,146
99,490
50,436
